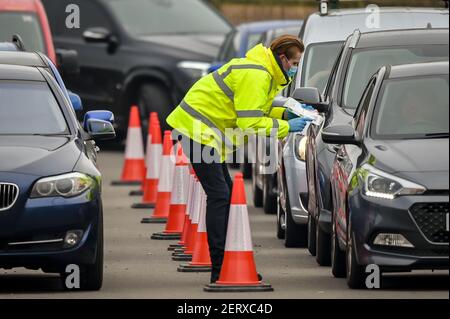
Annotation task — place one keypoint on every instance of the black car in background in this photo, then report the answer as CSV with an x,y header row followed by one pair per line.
x,y
361,57
390,184
140,52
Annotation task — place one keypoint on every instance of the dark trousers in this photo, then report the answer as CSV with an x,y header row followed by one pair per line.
x,y
216,181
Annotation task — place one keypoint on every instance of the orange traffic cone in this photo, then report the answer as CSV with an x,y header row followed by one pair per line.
x,y
161,212
178,201
185,254
201,260
238,272
187,218
151,122
134,167
154,156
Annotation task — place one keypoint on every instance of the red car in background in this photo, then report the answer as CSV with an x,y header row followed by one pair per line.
x,y
28,19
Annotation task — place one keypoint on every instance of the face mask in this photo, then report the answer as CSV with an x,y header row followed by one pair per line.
x,y
292,71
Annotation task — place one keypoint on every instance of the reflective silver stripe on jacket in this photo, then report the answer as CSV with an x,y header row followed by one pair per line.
x,y
220,78
197,115
251,113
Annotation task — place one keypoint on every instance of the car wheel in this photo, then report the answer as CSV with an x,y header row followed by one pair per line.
x,y
269,199
355,272
296,235
92,275
337,256
154,98
323,247
257,192
311,235
281,221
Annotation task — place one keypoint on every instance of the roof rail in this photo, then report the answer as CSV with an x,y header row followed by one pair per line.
x,y
355,38
17,40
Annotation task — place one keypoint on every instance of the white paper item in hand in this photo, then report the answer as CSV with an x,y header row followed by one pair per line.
x,y
296,108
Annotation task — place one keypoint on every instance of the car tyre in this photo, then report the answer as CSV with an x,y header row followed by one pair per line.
x,y
269,199
338,266
355,273
154,97
311,235
296,235
281,221
323,247
257,192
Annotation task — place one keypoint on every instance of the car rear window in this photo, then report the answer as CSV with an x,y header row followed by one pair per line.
x,y
28,108
412,108
365,63
24,24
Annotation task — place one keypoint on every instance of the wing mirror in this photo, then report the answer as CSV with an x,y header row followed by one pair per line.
x,y
340,135
311,96
100,125
101,35
75,99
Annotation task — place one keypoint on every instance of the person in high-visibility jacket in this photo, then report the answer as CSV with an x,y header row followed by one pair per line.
x,y
220,110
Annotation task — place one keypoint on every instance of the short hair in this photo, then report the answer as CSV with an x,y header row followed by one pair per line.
x,y
287,45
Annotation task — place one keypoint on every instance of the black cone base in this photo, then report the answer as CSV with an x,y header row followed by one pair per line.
x,y
182,257
174,246
120,183
262,287
154,220
136,193
191,268
164,236
142,206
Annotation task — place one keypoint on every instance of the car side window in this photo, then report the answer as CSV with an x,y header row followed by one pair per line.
x,y
91,15
361,113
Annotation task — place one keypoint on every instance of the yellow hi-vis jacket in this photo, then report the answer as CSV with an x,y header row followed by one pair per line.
x,y
235,101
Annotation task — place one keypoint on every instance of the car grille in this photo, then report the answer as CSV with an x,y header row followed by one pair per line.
x,y
432,220
8,195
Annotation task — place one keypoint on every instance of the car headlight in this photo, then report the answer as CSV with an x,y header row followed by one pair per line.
x,y
195,69
300,147
67,185
383,185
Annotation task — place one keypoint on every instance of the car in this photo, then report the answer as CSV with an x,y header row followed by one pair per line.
x,y
11,54
390,184
28,19
362,55
138,52
51,214
324,35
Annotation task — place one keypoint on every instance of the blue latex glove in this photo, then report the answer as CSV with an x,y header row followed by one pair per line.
x,y
298,124
308,107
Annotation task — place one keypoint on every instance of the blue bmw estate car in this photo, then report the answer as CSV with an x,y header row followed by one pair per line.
x,y
51,212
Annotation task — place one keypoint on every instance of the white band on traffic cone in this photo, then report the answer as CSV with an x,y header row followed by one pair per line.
x,y
166,177
196,205
135,144
154,161
202,217
239,237
180,186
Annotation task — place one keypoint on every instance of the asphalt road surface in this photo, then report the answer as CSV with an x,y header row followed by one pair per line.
x,y
137,267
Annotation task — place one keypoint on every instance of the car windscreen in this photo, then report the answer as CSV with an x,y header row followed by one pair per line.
x,y
24,24
318,64
28,108
156,17
230,47
412,108
365,63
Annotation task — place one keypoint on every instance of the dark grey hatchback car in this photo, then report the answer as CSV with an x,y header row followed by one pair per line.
x,y
390,179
